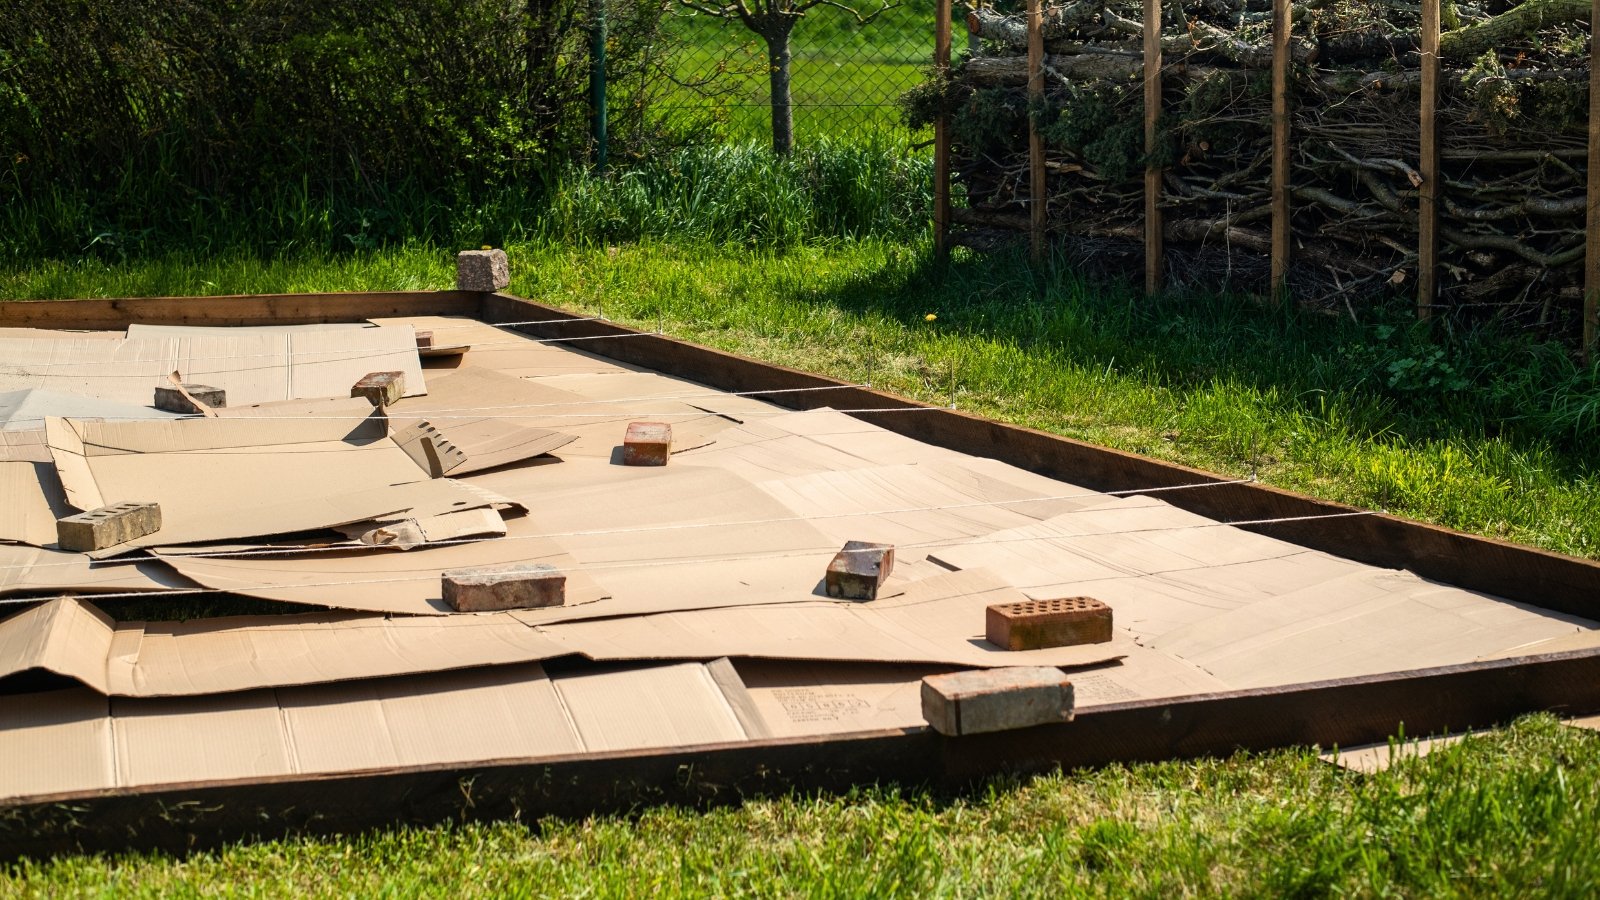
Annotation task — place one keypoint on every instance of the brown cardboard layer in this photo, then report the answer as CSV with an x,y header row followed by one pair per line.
x,y
481,410
937,620
76,739
224,655
251,368
36,570
406,583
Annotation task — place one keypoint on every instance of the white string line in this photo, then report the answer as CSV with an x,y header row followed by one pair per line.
x,y
402,411
181,362
429,575
689,526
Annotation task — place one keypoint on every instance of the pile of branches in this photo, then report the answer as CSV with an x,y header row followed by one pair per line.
x,y
1512,128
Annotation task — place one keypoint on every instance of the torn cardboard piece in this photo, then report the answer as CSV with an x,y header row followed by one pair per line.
x,y
405,584
938,620
482,412
250,367
239,653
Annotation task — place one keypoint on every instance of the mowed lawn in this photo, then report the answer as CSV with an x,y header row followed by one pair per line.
x,y
1216,384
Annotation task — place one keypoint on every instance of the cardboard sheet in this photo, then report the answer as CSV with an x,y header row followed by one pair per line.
x,y
223,655
474,410
27,410
504,350
251,367
798,699
72,740
33,570
860,504
406,584
938,620
1369,759
193,466
1367,623
31,499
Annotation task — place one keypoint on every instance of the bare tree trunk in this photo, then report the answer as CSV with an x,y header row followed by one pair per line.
x,y
782,102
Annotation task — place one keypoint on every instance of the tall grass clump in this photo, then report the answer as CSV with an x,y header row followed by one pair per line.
x,y
744,194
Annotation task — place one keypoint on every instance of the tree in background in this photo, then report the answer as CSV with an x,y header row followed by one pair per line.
x,y
774,21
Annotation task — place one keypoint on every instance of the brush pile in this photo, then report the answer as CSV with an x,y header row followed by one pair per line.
x,y
1512,119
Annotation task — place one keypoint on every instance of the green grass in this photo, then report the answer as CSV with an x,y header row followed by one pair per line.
x,y
1510,814
1306,403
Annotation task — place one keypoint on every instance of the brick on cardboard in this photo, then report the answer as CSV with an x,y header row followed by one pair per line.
x,y
985,700
107,526
172,399
1057,622
514,586
859,570
482,270
647,444
380,388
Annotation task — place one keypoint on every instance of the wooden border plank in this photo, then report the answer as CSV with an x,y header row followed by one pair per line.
x,y
1282,26
186,817
117,314
1428,165
941,135
1154,228
1591,253
1038,194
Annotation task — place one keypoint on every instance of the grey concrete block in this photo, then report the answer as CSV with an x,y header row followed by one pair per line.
x,y
859,570
482,270
107,526
514,586
647,444
984,700
172,400
380,388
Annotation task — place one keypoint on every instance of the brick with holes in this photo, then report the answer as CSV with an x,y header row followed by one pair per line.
x,y
107,526
1035,624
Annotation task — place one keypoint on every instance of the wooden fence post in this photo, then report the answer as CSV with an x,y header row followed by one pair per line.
x,y
1428,165
1038,198
1281,27
1154,251
941,135
1591,254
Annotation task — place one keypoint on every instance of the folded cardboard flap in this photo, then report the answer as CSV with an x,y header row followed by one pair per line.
x,y
61,636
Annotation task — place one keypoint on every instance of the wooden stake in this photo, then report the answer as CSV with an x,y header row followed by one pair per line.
x,y
1591,255
1281,28
1038,198
1154,252
941,136
1428,165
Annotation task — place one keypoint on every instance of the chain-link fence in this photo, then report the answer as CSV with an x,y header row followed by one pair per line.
x,y
848,63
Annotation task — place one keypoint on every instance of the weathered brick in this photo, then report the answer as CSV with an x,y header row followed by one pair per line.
x,y
859,570
380,388
514,586
172,399
107,526
424,340
482,270
647,444
984,700
1063,622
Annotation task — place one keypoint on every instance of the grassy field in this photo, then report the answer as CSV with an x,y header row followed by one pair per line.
x,y
1510,814
1302,402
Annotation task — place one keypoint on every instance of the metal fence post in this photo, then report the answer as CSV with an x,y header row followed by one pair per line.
x,y
597,81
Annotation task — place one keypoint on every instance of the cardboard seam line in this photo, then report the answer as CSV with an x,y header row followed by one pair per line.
x,y
307,550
